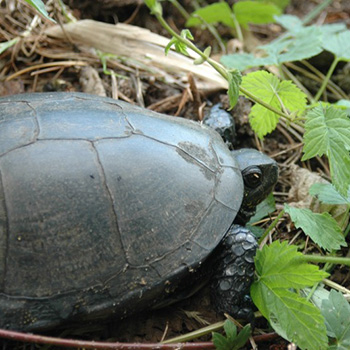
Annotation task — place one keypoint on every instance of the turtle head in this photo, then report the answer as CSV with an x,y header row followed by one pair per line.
x,y
259,173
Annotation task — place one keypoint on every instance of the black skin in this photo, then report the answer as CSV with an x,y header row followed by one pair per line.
x,y
234,259
221,121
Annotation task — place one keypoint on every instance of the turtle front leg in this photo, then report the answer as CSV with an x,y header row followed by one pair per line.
x,y
234,273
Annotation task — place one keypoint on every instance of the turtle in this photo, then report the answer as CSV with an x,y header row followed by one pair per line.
x,y
221,121
107,209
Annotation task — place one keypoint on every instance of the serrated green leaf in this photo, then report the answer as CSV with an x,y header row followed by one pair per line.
x,y
336,311
292,23
230,329
300,43
255,12
280,270
243,61
327,131
278,94
219,12
279,3
262,120
339,45
242,337
334,28
326,193
220,342
40,7
234,81
7,44
343,104
281,266
232,341
291,316
321,228
306,42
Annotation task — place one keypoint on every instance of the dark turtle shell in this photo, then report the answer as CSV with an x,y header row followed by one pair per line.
x,y
104,206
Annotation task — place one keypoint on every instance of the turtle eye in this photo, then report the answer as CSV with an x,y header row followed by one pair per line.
x,y
252,176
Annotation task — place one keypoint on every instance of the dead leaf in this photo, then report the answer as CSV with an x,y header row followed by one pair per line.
x,y
140,44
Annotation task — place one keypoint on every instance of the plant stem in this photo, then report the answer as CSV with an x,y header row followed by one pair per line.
x,y
336,286
331,85
347,230
189,44
85,344
218,67
273,224
195,334
261,102
345,220
214,33
326,80
237,28
181,9
327,259
297,82
316,11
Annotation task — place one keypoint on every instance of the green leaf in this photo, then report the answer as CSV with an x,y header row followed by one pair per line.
x,y
339,45
295,25
336,311
306,42
279,3
7,44
243,61
322,228
155,7
234,81
327,131
343,104
262,120
294,318
179,45
200,59
280,267
232,341
292,23
266,207
278,94
255,12
230,329
334,28
220,342
40,7
219,12
300,43
263,209
326,193
242,337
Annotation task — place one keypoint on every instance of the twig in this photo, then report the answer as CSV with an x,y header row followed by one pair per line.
x,y
43,65
72,343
